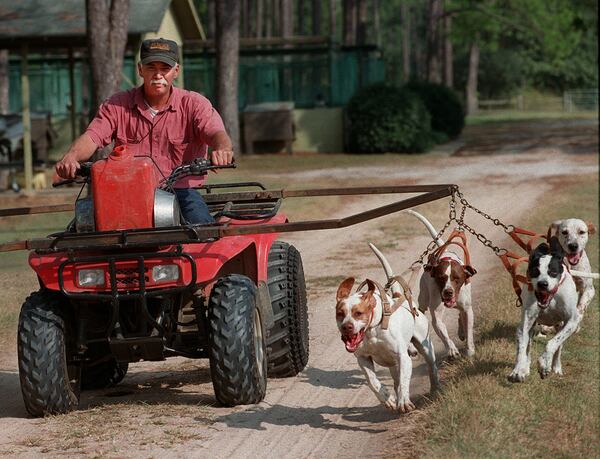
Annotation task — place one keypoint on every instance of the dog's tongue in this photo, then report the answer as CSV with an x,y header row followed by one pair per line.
x,y
543,298
450,302
353,341
573,258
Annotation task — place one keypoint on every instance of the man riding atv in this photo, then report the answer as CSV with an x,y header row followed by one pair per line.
x,y
171,125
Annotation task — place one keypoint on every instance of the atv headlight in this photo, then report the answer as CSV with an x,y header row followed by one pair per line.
x,y
165,273
90,277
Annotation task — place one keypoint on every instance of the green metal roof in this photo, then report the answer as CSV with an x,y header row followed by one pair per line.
x,y
47,19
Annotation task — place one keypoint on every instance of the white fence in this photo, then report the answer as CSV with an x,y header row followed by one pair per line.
x,y
571,101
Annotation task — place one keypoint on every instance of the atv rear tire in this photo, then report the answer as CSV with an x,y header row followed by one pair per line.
x,y
287,342
237,348
48,383
105,374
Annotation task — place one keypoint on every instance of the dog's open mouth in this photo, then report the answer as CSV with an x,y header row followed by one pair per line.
x,y
543,298
573,258
353,341
449,302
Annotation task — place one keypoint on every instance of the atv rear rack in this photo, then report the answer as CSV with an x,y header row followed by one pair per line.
x,y
249,203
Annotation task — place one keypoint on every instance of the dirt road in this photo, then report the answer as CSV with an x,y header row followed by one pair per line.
x,y
167,409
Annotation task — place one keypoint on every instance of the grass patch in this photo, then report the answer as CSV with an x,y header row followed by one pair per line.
x,y
480,414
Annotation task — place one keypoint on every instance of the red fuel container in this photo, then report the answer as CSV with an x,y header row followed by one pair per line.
x,y
123,187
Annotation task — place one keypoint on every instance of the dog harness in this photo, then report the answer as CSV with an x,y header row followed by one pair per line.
x,y
511,267
390,307
436,256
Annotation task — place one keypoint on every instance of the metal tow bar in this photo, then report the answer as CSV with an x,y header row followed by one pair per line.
x,y
190,234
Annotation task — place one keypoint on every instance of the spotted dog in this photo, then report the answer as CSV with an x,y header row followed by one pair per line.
x,y
551,300
445,285
573,234
377,337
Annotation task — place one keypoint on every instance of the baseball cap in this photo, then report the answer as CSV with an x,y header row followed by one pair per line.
x,y
159,49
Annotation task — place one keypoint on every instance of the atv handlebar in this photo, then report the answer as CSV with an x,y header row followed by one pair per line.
x,y
82,173
200,166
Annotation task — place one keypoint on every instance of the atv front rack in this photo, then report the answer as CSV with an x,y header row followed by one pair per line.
x,y
252,203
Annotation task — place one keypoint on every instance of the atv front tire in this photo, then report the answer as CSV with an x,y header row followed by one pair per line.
x,y
237,348
50,385
287,342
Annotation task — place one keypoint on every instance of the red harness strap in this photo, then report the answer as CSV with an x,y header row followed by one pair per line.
x,y
517,279
527,246
436,255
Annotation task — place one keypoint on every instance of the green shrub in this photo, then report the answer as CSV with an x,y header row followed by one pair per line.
x,y
447,111
384,118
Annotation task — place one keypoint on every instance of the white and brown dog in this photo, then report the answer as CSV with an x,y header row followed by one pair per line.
x,y
573,235
384,339
445,285
551,301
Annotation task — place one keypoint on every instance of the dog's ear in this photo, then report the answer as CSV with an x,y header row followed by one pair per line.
x,y
368,296
470,271
591,227
554,226
555,247
540,250
344,289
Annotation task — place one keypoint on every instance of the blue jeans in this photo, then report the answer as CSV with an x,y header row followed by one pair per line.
x,y
193,207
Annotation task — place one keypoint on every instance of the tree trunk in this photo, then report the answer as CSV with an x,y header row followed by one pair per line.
x,y
434,73
349,30
259,18
269,13
211,17
377,23
361,26
448,53
287,18
228,45
107,37
405,13
300,15
332,18
276,18
472,101
245,16
4,82
316,17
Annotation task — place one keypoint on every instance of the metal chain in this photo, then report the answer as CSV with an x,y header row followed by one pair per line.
x,y
495,221
460,221
433,244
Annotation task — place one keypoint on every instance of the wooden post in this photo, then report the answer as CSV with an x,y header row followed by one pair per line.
x,y
72,91
26,116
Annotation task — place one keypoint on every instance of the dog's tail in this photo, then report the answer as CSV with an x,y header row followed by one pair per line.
x,y
428,225
584,274
386,267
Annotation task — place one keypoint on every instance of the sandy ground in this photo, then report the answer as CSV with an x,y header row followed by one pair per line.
x,y
167,409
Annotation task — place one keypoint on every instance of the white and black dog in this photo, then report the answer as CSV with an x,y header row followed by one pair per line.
x,y
551,301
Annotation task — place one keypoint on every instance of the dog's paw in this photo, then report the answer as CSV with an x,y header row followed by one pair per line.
x,y
543,367
390,402
470,352
557,371
453,354
406,406
518,375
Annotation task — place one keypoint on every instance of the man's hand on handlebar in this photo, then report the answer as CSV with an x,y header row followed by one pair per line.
x,y
221,157
67,167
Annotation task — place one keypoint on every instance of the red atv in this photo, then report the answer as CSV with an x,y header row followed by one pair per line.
x,y
127,280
